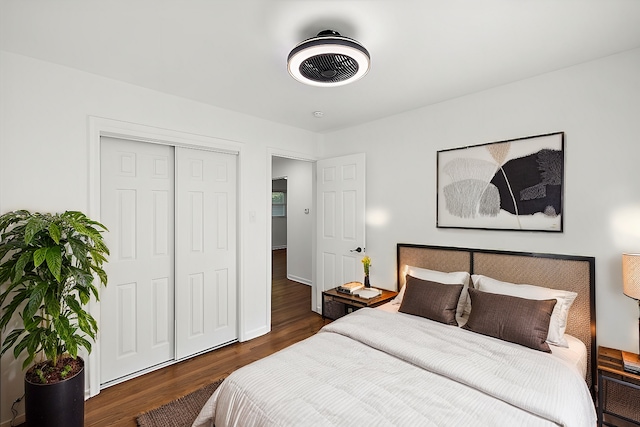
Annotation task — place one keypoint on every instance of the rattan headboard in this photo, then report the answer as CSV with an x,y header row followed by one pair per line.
x,y
568,272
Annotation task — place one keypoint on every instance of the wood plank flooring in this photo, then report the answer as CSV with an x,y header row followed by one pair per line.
x,y
292,320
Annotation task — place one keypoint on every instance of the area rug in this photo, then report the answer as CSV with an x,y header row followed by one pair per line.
x,y
181,412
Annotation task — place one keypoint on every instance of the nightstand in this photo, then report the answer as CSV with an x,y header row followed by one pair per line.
x,y
336,304
618,390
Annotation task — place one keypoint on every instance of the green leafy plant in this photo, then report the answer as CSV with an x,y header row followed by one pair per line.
x,y
65,371
48,263
40,375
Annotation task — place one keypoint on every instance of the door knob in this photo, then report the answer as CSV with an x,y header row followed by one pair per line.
x,y
358,249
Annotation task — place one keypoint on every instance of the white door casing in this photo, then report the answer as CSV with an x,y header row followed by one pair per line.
x,y
100,127
137,206
138,193
206,309
341,220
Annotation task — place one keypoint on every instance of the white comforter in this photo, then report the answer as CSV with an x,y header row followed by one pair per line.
x,y
379,368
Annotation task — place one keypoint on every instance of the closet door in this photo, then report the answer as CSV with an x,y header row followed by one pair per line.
x,y
205,250
137,306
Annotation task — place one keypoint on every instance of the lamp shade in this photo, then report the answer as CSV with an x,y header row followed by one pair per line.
x,y
631,275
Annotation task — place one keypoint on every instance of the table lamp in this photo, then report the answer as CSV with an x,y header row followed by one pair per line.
x,y
631,279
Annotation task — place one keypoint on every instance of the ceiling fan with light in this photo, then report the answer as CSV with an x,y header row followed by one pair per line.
x,y
329,59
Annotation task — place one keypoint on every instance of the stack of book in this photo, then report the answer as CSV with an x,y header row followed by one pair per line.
x,y
631,362
350,288
368,293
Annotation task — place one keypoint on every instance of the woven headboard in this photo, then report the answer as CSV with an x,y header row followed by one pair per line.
x,y
567,272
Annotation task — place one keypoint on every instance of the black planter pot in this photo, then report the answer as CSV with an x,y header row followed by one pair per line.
x,y
55,405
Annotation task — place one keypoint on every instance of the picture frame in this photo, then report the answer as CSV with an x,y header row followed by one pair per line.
x,y
515,185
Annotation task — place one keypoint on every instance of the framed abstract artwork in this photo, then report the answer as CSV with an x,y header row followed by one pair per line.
x,y
507,185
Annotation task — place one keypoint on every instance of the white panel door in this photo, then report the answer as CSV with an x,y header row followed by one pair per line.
x,y
137,206
341,220
205,250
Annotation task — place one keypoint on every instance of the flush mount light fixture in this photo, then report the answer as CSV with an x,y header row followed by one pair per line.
x,y
328,59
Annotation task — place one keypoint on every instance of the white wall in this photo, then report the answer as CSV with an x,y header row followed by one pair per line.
x,y
300,225
44,157
597,104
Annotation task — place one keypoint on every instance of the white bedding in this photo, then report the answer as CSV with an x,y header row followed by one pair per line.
x,y
378,368
575,354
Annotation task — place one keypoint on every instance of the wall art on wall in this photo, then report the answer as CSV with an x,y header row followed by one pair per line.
x,y
507,185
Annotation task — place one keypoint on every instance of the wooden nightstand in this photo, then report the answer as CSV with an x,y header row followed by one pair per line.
x,y
618,390
336,304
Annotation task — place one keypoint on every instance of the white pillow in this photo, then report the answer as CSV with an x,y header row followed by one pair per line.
x,y
558,323
455,278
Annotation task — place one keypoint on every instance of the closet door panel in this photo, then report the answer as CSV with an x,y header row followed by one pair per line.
x,y
137,206
205,250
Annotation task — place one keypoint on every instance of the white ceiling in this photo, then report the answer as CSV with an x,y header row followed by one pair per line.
x,y
232,53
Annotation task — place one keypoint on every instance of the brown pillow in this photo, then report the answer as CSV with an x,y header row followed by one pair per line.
x,y
435,301
518,320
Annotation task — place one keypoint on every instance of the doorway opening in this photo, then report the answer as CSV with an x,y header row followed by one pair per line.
x,y
292,231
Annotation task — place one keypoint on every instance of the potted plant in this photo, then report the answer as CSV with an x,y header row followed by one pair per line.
x,y
366,262
47,267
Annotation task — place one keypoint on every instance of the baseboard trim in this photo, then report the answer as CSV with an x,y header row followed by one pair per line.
x,y
255,333
300,280
20,419
276,248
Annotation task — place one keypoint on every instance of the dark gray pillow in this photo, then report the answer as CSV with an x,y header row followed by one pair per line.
x,y
435,301
518,320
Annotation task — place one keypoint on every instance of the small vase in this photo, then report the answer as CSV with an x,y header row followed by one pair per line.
x,y
366,282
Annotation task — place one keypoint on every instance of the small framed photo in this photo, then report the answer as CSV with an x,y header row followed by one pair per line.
x,y
506,185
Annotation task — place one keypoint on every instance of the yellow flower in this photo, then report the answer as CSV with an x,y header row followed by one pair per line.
x,y
366,261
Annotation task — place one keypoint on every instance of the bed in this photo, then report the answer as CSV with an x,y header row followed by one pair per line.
x,y
428,358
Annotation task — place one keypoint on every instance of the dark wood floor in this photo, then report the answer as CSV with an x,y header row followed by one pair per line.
x,y
292,320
